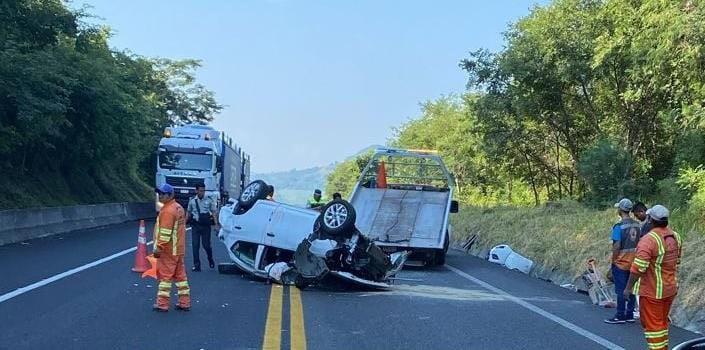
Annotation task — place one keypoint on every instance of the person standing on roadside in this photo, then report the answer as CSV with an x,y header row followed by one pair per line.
x,y
654,277
625,237
639,212
169,250
202,215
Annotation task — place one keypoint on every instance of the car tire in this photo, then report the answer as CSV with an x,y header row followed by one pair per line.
x,y
337,217
253,192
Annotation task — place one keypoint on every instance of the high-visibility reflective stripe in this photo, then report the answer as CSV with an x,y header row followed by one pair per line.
x,y
657,265
641,262
165,231
659,345
637,284
162,293
164,238
176,237
184,292
182,284
165,284
156,230
657,334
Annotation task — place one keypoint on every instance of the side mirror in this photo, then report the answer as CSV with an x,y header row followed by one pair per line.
x,y
453,206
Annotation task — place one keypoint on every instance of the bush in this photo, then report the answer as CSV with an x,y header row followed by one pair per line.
x,y
604,167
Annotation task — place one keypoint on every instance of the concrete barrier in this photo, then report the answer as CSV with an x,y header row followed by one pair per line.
x,y
22,224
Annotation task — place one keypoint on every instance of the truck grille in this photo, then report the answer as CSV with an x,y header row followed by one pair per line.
x,y
183,181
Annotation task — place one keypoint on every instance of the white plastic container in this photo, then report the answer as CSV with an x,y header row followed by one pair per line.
x,y
517,262
499,254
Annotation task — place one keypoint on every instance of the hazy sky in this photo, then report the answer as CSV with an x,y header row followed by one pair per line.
x,y
307,83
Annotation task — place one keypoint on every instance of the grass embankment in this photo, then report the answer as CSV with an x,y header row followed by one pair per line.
x,y
55,189
562,236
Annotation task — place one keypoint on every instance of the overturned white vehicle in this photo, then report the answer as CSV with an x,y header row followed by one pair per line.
x,y
300,246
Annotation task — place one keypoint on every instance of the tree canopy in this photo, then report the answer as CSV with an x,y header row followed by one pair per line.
x,y
77,118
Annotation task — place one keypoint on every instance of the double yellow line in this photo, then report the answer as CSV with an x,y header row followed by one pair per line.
x,y
273,327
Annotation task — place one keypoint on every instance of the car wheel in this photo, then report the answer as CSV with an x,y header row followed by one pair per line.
x,y
337,217
253,192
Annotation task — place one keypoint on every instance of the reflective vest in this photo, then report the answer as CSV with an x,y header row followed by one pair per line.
x,y
630,232
656,263
313,203
170,229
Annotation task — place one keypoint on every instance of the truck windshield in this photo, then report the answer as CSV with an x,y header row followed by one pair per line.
x,y
185,161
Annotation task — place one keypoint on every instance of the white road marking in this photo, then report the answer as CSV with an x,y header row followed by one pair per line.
x,y
585,333
44,282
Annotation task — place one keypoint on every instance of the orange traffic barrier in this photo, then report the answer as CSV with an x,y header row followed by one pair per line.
x,y
381,175
141,264
152,271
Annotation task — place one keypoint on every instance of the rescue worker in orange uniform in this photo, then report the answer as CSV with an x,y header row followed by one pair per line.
x,y
654,277
169,249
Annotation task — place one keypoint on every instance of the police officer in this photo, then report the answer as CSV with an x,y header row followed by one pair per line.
x,y
202,214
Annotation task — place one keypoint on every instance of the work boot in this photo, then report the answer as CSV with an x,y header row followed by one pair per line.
x,y
183,308
211,263
196,269
156,308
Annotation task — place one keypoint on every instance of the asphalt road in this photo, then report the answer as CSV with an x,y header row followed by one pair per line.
x,y
469,304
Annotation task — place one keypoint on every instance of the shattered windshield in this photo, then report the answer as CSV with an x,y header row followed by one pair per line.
x,y
185,161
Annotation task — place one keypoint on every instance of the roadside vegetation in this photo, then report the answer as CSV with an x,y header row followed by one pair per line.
x,y
79,121
588,102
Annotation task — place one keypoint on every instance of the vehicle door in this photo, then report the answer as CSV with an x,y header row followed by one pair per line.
x,y
289,226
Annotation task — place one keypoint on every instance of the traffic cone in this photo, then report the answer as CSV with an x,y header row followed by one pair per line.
x,y
381,175
141,264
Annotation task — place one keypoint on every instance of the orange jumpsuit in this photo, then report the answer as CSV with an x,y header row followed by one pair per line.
x,y
170,239
656,264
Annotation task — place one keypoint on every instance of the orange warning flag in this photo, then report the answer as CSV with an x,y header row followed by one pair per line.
x,y
152,271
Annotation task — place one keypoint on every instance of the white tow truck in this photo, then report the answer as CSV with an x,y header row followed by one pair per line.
x,y
412,212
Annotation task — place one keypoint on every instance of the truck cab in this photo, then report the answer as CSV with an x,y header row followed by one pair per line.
x,y
192,154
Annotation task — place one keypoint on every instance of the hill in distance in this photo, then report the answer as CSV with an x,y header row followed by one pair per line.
x,y
296,186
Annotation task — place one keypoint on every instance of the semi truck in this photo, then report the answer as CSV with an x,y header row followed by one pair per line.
x,y
192,154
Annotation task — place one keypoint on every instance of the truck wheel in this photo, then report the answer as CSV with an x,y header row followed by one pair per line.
x,y
255,191
439,257
338,217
